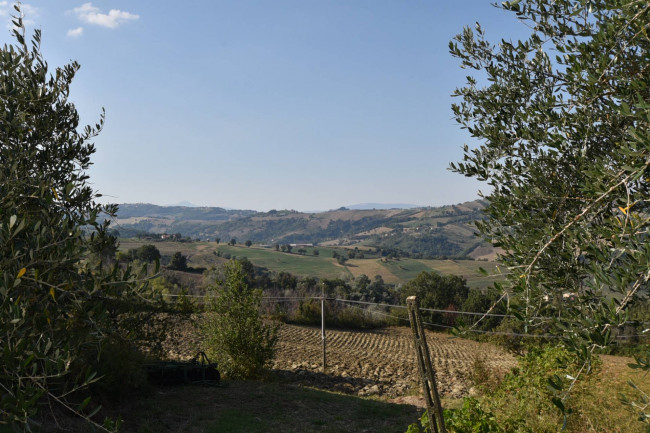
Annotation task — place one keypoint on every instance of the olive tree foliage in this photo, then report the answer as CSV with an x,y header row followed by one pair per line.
x,y
235,334
60,299
562,118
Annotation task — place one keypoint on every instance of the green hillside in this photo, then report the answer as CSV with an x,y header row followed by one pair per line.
x,y
442,232
393,271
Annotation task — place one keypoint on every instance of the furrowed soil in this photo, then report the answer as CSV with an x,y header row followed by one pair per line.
x,y
381,362
369,363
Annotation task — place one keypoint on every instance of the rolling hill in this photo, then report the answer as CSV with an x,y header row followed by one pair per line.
x,y
425,232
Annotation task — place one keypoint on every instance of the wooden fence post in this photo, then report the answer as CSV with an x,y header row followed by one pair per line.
x,y
322,312
429,386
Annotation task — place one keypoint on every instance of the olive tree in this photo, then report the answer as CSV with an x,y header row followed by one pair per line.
x,y
60,300
562,118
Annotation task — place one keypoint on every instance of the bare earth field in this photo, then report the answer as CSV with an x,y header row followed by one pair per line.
x,y
379,363
382,362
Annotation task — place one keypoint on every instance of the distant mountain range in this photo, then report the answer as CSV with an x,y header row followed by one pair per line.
x,y
184,203
359,206
367,206
427,232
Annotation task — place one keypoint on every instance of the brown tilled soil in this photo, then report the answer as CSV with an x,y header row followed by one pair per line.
x,y
364,363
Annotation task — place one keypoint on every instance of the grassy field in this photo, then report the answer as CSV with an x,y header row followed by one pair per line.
x,y
407,269
258,407
467,268
322,266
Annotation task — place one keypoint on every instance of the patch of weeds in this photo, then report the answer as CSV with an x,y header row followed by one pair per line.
x,y
483,377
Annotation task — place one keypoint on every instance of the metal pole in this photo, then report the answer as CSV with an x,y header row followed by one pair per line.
x,y
322,312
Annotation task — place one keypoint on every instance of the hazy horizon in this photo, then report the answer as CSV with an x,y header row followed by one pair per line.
x,y
254,105
352,206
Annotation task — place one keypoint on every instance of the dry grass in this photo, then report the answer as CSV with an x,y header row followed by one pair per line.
x,y
372,267
246,406
599,403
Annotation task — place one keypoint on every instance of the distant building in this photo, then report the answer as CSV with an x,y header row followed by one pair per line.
x,y
566,297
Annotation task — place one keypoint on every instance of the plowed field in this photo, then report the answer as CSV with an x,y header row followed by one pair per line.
x,y
380,362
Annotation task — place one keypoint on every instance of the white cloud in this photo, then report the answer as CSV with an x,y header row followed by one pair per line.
x,y
90,14
29,12
75,33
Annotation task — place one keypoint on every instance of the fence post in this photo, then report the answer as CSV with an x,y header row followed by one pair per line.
x,y
322,312
429,385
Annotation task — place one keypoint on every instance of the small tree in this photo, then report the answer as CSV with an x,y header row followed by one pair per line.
x,y
148,253
235,335
248,243
232,242
435,291
178,262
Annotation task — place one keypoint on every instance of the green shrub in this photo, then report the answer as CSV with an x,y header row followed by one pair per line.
x,y
120,366
236,336
521,402
483,377
471,417
308,312
524,400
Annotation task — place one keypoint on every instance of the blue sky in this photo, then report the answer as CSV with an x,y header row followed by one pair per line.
x,y
304,104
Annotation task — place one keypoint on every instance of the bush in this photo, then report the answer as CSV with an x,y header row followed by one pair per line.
x,y
178,262
235,334
521,402
524,400
471,417
146,253
308,313
483,377
120,366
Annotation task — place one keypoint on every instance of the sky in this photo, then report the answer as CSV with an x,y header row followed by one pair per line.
x,y
268,104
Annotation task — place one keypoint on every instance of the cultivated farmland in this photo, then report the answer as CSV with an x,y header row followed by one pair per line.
x,y
380,362
322,266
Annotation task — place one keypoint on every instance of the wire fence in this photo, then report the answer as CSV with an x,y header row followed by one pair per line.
x,y
349,303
